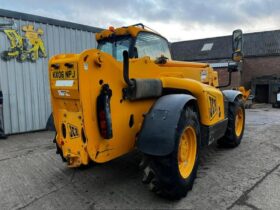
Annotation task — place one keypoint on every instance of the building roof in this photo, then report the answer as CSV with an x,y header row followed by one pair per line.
x,y
258,44
45,20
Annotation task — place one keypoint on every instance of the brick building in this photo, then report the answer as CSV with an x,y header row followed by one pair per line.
x,y
261,56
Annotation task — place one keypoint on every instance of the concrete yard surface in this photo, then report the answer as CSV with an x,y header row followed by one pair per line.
x,y
32,176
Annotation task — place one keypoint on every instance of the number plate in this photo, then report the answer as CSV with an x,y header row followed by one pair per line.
x,y
64,74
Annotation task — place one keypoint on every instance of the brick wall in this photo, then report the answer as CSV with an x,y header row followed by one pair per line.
x,y
224,75
251,68
259,66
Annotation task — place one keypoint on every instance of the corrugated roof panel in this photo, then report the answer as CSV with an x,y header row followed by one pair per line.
x,y
48,21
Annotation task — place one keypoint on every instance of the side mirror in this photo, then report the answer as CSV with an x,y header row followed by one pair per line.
x,y
237,45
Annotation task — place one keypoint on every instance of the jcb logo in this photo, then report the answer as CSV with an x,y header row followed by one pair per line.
x,y
73,131
212,106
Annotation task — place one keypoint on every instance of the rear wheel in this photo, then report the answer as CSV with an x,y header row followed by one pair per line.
x,y
173,176
236,124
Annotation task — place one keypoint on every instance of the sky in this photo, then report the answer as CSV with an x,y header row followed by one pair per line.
x,y
177,20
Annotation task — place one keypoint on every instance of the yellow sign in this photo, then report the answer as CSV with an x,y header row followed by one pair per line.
x,y
30,46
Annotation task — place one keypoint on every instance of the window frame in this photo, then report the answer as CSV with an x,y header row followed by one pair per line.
x,y
132,43
155,34
113,39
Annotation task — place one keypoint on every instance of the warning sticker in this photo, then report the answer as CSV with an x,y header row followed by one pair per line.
x,y
63,92
86,66
203,75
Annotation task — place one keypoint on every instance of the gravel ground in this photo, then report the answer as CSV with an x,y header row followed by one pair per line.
x,y
32,176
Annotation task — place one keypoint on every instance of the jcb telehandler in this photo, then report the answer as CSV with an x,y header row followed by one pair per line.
x,y
128,93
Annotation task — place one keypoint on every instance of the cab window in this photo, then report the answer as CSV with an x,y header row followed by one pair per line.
x,y
149,44
115,46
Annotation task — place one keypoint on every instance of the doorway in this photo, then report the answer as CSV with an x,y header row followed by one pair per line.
x,y
262,92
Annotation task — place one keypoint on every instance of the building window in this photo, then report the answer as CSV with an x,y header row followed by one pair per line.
x,y
207,47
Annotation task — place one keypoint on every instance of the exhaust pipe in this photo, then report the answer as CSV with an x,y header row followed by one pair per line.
x,y
126,69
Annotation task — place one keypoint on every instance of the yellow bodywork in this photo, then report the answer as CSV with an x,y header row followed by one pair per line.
x,y
130,30
74,100
245,93
76,81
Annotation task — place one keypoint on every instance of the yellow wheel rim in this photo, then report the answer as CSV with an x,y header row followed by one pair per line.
x,y
239,121
187,151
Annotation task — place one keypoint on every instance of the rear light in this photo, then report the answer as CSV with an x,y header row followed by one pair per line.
x,y
104,112
63,130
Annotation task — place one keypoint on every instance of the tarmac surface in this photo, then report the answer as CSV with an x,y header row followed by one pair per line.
x,y
32,176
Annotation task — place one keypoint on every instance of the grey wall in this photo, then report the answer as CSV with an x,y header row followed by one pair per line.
x,y
25,85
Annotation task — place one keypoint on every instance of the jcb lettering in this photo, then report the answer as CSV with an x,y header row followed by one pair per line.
x,y
213,106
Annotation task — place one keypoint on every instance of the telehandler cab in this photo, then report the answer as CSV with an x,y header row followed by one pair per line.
x,y
128,93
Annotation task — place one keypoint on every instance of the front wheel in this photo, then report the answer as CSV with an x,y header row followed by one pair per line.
x,y
236,124
173,176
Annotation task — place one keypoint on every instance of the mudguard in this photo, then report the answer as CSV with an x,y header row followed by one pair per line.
x,y
231,94
157,135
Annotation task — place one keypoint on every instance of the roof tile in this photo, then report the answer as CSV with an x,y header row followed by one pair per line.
x,y
265,43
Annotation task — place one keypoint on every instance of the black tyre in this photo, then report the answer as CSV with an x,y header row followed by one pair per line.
x,y
236,124
173,176
2,134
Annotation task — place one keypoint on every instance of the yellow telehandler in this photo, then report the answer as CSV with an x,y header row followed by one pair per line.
x,y
129,94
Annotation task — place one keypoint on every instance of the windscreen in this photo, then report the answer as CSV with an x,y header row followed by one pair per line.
x,y
149,44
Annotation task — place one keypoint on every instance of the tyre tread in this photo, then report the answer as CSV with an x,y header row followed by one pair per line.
x,y
158,171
